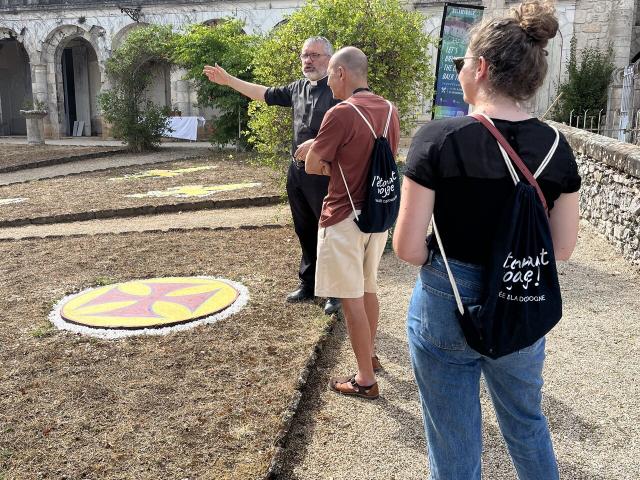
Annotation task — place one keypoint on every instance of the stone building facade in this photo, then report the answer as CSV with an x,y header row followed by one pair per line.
x,y
54,51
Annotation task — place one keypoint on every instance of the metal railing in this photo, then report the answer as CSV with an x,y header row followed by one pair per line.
x,y
624,126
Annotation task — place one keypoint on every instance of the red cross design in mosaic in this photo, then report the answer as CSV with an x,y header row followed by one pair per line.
x,y
149,303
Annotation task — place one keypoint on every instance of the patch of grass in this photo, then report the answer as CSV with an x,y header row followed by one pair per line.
x,y
43,330
103,281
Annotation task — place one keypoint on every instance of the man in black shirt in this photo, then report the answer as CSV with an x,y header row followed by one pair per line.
x,y
309,99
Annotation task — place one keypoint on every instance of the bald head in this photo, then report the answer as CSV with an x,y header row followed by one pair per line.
x,y
353,60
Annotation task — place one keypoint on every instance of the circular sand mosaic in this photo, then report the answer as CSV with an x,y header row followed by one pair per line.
x,y
153,306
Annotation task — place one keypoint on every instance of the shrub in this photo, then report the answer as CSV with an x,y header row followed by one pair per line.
x,y
587,83
390,36
228,45
134,118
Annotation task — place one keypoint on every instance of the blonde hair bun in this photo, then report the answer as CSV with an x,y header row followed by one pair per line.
x,y
537,18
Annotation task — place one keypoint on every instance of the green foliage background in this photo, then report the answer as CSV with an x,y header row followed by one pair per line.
x,y
228,45
587,83
390,36
135,119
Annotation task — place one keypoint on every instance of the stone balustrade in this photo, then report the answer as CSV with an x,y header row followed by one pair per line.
x,y
610,194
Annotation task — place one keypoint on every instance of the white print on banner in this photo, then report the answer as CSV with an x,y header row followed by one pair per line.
x,y
385,187
522,271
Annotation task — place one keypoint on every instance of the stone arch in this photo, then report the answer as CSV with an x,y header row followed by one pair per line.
x,y
75,75
119,37
7,33
62,35
15,82
159,92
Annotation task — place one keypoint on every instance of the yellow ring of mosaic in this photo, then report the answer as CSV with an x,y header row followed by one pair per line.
x,y
153,303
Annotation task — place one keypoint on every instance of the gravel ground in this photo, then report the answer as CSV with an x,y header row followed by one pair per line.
x,y
591,394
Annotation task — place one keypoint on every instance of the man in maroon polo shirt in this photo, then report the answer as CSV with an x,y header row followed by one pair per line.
x,y
348,259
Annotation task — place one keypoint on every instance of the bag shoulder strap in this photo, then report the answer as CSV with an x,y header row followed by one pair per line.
x,y
348,193
386,128
454,285
515,158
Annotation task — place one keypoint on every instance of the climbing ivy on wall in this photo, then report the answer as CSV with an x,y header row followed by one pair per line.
x,y
133,117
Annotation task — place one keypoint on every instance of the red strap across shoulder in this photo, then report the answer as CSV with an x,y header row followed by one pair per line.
x,y
512,155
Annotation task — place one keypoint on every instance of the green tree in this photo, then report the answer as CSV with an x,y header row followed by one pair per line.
x,y
391,37
587,83
134,118
228,45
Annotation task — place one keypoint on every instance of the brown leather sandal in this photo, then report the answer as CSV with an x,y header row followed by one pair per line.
x,y
375,363
355,390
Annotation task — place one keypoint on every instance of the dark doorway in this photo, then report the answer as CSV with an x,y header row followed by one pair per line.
x,y
69,90
79,87
15,87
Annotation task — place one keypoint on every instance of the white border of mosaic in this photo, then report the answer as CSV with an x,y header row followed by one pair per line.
x,y
56,319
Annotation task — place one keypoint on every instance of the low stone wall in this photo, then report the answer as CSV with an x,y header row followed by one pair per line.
x,y
610,194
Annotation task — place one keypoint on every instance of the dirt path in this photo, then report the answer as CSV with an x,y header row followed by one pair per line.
x,y
166,154
230,217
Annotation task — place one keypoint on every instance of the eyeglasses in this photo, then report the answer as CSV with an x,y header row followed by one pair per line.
x,y
459,63
312,56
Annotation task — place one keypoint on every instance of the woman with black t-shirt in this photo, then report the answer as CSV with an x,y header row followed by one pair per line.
x,y
456,173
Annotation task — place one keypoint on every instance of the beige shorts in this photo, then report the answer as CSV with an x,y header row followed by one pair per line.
x,y
348,260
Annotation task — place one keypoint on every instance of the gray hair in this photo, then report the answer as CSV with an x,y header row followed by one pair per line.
x,y
328,48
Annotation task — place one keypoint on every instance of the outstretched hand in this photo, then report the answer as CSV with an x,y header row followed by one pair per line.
x,y
216,74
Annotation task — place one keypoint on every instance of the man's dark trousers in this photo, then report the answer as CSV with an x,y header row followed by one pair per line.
x,y
306,193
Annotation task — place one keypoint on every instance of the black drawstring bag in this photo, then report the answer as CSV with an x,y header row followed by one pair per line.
x,y
382,201
522,301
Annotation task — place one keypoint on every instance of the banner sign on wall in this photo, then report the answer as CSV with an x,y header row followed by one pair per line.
x,y
457,20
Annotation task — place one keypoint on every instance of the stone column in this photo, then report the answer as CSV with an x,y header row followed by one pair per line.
x,y
40,95
181,92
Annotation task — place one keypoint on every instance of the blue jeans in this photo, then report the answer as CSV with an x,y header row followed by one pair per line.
x,y
448,372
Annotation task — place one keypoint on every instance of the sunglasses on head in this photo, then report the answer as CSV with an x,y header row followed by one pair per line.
x,y
459,63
